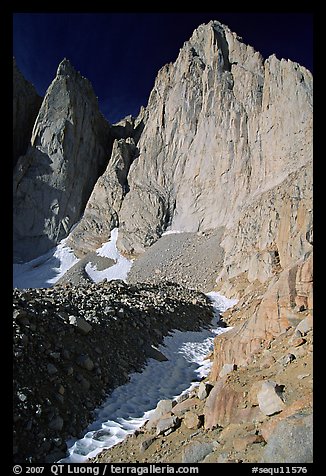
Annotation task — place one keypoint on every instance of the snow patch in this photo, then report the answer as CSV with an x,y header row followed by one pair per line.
x,y
119,270
44,271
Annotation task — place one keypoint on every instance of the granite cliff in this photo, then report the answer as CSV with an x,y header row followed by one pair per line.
x,y
69,148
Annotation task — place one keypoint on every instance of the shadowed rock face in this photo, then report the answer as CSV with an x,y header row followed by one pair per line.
x,y
70,147
25,107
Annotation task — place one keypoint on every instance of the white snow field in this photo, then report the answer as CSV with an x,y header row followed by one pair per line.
x,y
130,405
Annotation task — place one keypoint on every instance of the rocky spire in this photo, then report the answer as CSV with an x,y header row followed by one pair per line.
x,y
70,147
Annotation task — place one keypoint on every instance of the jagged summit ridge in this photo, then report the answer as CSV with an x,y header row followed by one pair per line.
x,y
26,104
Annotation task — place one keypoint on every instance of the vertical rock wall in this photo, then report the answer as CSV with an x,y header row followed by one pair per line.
x,y
70,147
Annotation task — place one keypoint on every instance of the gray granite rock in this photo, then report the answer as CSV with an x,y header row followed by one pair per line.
x,y
222,124
196,452
69,148
291,441
204,390
167,424
82,325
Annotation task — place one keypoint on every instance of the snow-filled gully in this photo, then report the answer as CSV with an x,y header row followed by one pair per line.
x,y
129,406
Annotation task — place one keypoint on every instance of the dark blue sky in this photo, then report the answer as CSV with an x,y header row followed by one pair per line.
x,y
121,53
